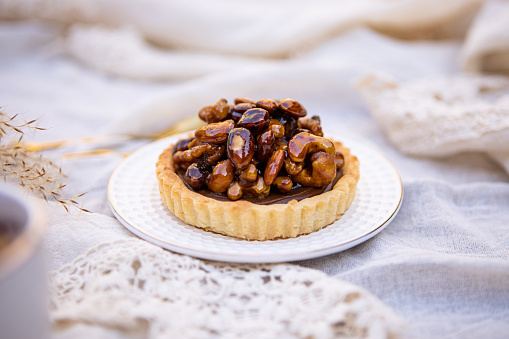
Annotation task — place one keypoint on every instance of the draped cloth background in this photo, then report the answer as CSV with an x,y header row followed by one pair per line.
x,y
93,67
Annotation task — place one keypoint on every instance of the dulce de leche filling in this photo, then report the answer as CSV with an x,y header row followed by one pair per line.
x,y
297,193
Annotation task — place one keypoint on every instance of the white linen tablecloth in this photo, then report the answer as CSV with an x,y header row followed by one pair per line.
x,y
443,263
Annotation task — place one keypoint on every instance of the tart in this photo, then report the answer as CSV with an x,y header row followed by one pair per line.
x,y
258,171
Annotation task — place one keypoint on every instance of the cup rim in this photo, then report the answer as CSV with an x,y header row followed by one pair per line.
x,y
26,244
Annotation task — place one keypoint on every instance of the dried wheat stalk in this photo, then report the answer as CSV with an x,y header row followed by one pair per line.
x,y
30,169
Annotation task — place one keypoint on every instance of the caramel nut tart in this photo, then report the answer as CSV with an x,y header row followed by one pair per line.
x,y
258,170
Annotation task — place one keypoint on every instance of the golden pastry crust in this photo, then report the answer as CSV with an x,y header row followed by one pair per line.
x,y
243,219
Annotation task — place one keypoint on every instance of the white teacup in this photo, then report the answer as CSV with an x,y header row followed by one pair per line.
x,y
23,279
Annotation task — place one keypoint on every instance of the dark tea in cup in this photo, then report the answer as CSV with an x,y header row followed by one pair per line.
x,y
7,233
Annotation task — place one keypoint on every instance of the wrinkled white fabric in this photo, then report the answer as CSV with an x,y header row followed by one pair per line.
x,y
322,79
446,249
113,36
441,264
122,51
487,44
247,27
229,27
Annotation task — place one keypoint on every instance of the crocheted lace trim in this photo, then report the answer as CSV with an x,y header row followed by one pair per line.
x,y
130,284
441,116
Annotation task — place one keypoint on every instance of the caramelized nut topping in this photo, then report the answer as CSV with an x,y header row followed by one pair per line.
x,y
292,108
266,146
283,183
182,145
235,191
221,177
317,118
254,145
213,154
277,128
191,155
243,100
313,125
269,105
293,167
255,120
239,109
321,172
194,142
215,133
196,175
216,112
274,165
241,147
303,144
289,123
340,160
300,130
259,189
249,174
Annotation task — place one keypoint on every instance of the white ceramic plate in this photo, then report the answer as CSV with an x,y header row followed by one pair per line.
x,y
134,199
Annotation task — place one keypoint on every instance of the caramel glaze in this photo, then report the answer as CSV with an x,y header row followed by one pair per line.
x,y
298,192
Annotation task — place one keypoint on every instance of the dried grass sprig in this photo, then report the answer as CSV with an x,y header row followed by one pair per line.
x,y
31,170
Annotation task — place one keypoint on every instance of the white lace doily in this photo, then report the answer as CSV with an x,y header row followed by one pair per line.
x,y
133,286
442,116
